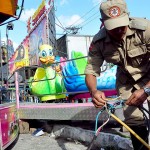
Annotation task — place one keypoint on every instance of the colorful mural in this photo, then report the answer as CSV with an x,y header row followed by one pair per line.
x,y
37,38
27,52
4,54
10,48
20,57
38,29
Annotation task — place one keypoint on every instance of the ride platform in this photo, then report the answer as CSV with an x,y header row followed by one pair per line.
x,y
63,111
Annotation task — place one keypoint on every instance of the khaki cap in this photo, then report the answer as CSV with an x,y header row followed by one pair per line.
x,y
114,13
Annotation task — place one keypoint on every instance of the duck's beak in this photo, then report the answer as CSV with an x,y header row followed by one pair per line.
x,y
47,60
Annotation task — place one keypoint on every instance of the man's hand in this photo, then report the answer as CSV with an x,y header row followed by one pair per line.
x,y
137,98
98,98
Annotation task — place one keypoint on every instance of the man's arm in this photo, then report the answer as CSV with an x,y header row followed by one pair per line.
x,y
148,84
139,96
98,97
91,82
95,61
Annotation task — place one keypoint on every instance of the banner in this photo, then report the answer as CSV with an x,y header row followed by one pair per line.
x,y
37,38
20,57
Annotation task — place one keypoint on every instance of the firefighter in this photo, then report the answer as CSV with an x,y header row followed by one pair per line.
x,y
125,42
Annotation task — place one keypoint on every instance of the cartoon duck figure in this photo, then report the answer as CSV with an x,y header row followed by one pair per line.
x,y
46,56
45,81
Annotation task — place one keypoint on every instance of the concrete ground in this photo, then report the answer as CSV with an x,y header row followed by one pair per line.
x,y
48,141
45,142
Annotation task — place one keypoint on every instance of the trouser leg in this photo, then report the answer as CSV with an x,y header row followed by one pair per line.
x,y
143,133
135,119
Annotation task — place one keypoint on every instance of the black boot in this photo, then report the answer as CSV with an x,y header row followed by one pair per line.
x,y
143,133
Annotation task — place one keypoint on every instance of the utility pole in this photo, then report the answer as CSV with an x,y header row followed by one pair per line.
x,y
73,30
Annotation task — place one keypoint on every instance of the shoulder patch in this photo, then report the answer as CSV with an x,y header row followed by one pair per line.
x,y
100,35
138,23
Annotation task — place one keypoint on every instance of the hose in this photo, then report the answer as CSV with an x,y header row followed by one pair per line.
x,y
91,144
130,130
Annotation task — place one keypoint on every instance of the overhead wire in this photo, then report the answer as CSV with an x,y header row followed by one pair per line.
x,y
84,15
89,21
61,26
65,28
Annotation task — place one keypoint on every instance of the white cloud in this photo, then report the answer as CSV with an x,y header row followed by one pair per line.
x,y
3,39
75,20
63,2
15,45
26,14
97,1
67,21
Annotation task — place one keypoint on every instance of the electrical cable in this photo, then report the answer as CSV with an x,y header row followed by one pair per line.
x,y
91,18
84,15
109,110
96,122
141,107
143,110
71,26
92,142
97,130
60,23
146,118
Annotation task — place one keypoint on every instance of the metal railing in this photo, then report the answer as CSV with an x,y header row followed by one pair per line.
x,y
7,95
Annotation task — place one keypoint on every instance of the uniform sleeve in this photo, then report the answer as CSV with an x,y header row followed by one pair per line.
x,y
95,59
147,36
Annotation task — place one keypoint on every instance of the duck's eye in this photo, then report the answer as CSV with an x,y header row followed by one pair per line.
x,y
51,53
44,54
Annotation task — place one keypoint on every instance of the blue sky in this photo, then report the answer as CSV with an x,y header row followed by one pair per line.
x,y
79,13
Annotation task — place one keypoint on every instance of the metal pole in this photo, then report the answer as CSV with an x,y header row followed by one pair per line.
x,y
17,89
7,53
1,65
1,142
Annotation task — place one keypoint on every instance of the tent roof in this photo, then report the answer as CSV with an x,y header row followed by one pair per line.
x,y
7,9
